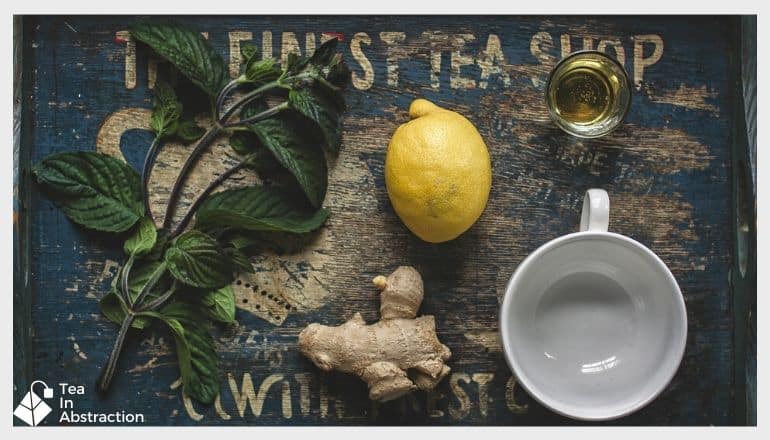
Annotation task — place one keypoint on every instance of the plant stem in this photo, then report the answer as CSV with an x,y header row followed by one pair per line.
x,y
247,98
326,83
152,305
103,383
203,143
149,160
260,116
223,95
125,273
154,278
215,183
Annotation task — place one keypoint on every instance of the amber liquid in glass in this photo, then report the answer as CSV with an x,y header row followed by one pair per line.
x,y
588,94
583,96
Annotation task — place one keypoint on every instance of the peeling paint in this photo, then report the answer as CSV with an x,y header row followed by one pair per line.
x,y
691,97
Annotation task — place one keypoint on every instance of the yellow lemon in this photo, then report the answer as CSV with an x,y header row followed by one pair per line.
x,y
437,172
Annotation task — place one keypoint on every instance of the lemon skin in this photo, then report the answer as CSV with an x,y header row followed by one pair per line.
x,y
437,172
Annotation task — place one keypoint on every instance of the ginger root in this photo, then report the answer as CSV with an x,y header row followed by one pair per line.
x,y
383,352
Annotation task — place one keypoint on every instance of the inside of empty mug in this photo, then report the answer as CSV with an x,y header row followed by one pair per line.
x,y
595,325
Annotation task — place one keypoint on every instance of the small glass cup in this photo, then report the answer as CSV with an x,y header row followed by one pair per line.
x,y
588,94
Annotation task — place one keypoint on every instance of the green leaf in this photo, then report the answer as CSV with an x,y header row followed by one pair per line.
x,y
336,72
188,51
315,89
325,52
194,100
166,110
195,349
286,137
240,260
159,248
323,108
140,275
114,309
296,63
188,131
261,72
195,259
247,142
240,240
258,208
249,51
93,189
243,142
220,304
143,239
325,67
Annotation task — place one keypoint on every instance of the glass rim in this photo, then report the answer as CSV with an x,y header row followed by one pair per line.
x,y
613,61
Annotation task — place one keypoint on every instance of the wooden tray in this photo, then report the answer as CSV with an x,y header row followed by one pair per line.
x,y
678,173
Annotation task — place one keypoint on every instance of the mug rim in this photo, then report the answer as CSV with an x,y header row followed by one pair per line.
x,y
507,342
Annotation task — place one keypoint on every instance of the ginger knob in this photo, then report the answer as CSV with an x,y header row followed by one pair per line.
x,y
402,294
383,352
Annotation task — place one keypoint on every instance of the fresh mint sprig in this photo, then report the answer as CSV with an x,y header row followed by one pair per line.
x,y
181,276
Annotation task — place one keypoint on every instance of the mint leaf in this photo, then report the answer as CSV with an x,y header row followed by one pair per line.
x,y
195,259
240,240
240,260
93,189
188,51
166,110
258,209
261,72
249,51
286,137
140,275
247,142
114,309
159,248
195,349
143,239
243,142
325,52
336,72
324,67
220,304
188,131
322,107
296,63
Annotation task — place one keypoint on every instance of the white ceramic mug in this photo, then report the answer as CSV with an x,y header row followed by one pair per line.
x,y
593,323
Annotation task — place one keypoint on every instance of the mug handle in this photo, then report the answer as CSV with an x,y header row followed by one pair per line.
x,y
596,211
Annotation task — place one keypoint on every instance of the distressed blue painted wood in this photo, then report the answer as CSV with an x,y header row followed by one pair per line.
x,y
86,86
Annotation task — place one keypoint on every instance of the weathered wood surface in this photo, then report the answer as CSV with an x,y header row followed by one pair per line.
x,y
667,169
